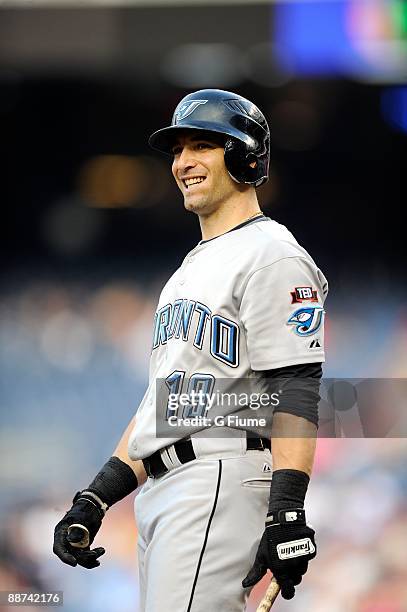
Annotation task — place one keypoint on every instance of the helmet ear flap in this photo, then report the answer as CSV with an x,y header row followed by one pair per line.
x,y
239,162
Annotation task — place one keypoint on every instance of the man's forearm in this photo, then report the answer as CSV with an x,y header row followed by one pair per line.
x,y
122,453
293,443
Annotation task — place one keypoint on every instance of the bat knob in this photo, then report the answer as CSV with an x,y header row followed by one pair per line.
x,y
78,536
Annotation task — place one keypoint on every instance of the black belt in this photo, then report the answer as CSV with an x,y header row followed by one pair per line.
x,y
155,466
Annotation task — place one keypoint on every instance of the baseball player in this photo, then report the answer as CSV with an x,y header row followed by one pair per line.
x,y
245,305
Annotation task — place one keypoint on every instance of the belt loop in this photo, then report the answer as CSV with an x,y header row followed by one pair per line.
x,y
173,456
166,458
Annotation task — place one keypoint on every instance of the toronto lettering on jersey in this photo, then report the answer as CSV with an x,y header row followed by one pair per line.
x,y
188,320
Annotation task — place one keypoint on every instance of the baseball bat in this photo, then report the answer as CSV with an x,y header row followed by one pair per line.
x,y
84,542
270,596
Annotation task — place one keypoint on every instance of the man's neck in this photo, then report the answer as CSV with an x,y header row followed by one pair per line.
x,y
228,216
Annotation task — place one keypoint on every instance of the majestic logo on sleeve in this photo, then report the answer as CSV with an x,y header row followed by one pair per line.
x,y
308,320
186,109
302,294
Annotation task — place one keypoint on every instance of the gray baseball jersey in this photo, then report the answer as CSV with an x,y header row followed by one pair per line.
x,y
248,300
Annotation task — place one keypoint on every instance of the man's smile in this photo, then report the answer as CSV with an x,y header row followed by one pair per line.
x,y
193,180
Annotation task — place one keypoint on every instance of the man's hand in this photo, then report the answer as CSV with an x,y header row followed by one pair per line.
x,y
88,514
285,548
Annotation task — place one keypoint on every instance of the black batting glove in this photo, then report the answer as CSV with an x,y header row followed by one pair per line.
x,y
286,547
90,515
112,483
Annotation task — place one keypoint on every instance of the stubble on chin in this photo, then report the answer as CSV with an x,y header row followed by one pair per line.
x,y
197,206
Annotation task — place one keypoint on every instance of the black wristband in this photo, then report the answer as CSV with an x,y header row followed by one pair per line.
x,y
115,481
288,489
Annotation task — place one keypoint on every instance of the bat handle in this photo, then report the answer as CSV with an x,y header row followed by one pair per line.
x,y
269,597
84,542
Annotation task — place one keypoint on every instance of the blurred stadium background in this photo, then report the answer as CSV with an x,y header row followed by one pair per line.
x,y
92,226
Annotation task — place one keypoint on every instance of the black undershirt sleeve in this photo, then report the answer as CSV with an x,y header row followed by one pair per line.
x,y
299,384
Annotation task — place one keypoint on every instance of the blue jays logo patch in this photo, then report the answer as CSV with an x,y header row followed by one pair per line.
x,y
186,109
307,320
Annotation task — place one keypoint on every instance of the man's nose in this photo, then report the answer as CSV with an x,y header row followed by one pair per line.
x,y
186,159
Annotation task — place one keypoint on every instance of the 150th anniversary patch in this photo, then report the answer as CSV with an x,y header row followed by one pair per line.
x,y
302,294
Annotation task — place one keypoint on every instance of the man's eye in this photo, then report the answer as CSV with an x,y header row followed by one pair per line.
x,y
203,145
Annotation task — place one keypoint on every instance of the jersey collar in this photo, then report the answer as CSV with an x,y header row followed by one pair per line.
x,y
248,222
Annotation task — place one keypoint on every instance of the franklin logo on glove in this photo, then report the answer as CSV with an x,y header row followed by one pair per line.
x,y
296,548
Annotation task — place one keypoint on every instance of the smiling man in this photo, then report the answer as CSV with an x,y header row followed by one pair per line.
x,y
208,189
245,305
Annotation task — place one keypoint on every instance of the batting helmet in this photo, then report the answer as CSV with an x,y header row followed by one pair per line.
x,y
243,124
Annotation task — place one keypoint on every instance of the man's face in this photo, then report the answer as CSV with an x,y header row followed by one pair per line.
x,y
200,172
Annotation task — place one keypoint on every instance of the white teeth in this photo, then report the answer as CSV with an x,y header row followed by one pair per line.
x,y
193,181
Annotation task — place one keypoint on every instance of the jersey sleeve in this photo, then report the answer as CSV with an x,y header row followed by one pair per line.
x,y
282,313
